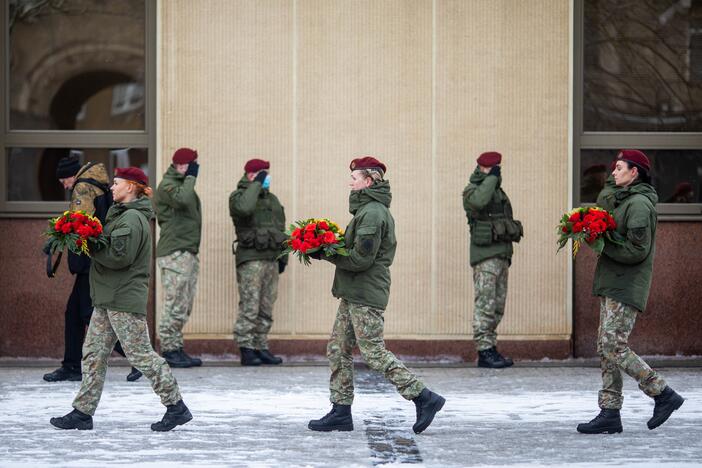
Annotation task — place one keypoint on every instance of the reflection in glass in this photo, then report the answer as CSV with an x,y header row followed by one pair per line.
x,y
675,174
77,64
642,65
31,172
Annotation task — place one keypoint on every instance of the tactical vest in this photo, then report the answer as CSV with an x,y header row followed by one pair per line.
x,y
263,230
495,222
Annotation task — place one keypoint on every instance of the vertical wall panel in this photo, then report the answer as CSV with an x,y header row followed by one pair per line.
x,y
425,86
501,84
226,91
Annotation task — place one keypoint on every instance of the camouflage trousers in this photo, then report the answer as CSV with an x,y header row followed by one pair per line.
x,y
106,327
363,325
179,272
258,290
490,286
616,323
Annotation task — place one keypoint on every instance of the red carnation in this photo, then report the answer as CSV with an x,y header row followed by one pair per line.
x,y
329,238
323,225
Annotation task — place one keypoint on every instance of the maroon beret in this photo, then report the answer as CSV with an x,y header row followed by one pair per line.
x,y
132,173
255,165
635,157
184,156
367,162
489,159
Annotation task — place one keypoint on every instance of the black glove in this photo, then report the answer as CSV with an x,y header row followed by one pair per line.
x,y
193,169
261,177
495,170
281,267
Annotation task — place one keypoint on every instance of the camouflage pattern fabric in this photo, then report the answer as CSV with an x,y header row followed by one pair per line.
x,y
490,284
106,327
83,197
363,325
179,272
258,290
616,322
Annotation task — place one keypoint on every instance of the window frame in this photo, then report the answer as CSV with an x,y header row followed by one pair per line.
x,y
74,138
617,140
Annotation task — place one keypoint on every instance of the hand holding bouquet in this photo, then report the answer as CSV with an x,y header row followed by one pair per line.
x,y
75,230
312,237
590,225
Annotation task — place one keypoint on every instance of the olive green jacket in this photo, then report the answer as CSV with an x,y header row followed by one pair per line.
x,y
179,214
119,274
364,276
259,221
624,270
482,195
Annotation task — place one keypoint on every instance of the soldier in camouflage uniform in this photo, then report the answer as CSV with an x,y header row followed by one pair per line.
x,y
259,221
492,231
362,282
87,184
180,218
119,283
622,281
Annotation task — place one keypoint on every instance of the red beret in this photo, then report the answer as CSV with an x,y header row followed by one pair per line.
x,y
367,162
489,159
132,173
184,156
635,157
255,165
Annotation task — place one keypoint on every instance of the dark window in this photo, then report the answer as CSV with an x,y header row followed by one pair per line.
x,y
31,172
638,85
642,66
676,174
77,65
79,78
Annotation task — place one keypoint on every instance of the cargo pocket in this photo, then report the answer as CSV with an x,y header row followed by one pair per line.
x,y
481,234
261,239
276,239
245,240
499,230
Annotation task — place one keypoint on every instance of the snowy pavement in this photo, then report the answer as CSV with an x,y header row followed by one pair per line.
x,y
524,416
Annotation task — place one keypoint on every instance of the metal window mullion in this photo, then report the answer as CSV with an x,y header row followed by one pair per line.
x,y
618,140
73,139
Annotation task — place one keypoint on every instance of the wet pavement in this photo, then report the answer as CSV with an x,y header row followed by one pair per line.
x,y
523,416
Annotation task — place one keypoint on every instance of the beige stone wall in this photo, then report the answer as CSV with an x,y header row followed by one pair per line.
x,y
423,85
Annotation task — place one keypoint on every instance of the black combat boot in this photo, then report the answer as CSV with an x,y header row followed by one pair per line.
x,y
64,373
488,358
607,421
249,357
194,362
667,402
176,415
175,359
267,358
428,404
134,375
73,420
338,419
508,361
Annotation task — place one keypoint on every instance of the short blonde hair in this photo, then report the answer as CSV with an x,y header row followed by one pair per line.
x,y
375,173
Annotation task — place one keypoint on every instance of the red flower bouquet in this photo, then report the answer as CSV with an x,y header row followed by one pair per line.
x,y
75,230
590,225
312,235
